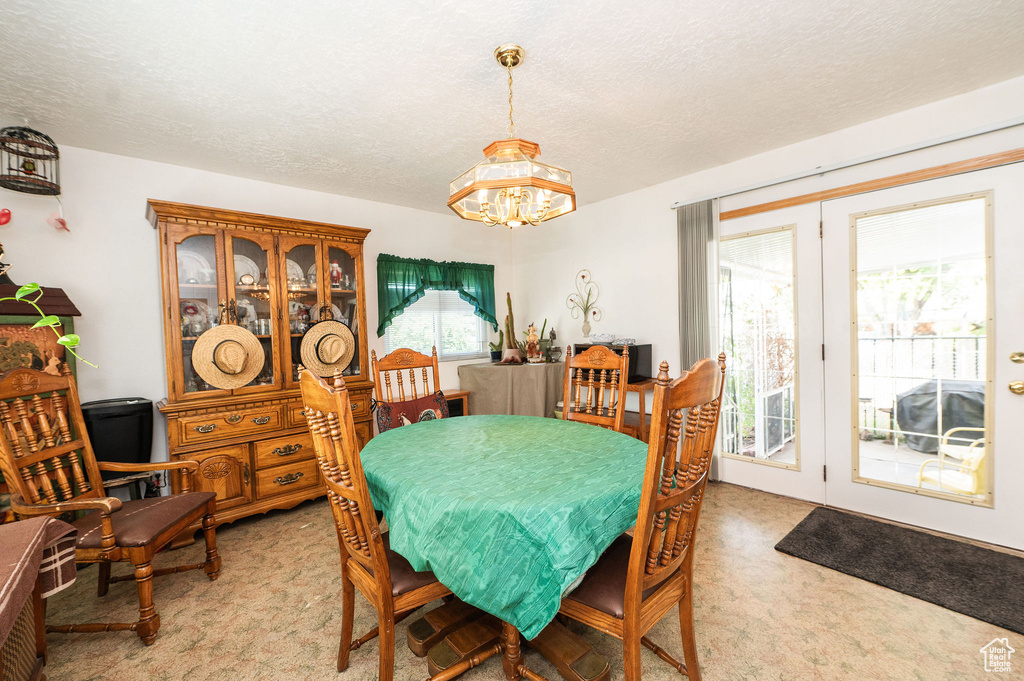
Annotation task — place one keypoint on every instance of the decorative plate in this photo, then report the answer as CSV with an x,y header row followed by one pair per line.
x,y
195,310
191,266
295,271
244,265
246,280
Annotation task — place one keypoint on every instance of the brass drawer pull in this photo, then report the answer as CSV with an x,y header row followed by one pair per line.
x,y
261,420
234,418
288,479
287,450
208,428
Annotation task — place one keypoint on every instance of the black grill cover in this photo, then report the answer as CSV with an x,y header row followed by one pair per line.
x,y
963,405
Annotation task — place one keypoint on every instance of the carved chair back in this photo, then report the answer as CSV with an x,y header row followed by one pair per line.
x,y
398,361
684,424
594,389
45,454
329,416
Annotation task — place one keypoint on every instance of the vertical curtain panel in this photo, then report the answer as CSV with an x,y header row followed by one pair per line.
x,y
402,281
696,237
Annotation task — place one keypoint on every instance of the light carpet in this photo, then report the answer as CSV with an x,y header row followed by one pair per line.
x,y
275,613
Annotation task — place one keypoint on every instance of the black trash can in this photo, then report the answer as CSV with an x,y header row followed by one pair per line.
x,y
121,430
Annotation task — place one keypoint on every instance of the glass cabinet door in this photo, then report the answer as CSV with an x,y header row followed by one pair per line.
x,y
302,277
342,282
253,299
196,280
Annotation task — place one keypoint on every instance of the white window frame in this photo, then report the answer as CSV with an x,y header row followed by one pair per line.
x,y
426,302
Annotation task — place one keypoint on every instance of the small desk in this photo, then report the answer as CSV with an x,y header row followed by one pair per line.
x,y
513,389
638,423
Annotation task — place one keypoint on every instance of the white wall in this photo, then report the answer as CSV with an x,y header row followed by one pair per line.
x,y
109,263
629,241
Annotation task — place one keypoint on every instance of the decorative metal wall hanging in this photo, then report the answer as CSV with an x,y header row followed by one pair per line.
x,y
584,300
29,162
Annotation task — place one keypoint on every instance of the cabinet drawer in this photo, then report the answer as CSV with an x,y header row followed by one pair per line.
x,y
282,450
360,407
222,425
296,418
287,478
360,404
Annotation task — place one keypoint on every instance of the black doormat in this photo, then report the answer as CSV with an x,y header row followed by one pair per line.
x,y
968,579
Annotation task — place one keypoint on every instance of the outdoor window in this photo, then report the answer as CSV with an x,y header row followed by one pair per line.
x,y
922,342
758,334
439,319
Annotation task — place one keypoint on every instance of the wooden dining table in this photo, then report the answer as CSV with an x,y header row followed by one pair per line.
x,y
508,512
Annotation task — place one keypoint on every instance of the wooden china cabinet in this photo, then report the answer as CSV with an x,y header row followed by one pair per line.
x,y
274,276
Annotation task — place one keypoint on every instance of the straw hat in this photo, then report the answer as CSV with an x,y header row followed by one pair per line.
x,y
228,356
327,346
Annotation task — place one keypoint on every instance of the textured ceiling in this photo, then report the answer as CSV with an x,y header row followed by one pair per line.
x,y
390,100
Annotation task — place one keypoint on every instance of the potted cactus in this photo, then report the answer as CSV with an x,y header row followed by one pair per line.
x,y
512,354
496,348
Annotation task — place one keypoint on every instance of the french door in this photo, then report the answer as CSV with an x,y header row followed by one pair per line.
x,y
869,344
769,300
924,285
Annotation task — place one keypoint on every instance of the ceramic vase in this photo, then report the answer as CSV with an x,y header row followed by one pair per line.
x,y
512,356
586,328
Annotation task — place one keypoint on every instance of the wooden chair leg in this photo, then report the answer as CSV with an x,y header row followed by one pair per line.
x,y
631,657
149,621
386,636
687,631
348,607
212,567
103,582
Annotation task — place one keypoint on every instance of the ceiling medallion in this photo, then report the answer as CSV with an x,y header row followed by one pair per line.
x,y
510,186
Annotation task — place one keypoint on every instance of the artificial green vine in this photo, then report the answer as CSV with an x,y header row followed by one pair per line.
x,y
69,341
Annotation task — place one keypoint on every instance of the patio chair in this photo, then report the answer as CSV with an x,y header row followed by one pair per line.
x,y
966,474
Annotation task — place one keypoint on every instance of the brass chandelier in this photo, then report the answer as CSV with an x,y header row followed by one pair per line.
x,y
510,186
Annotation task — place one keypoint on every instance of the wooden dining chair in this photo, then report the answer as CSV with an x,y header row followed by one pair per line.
x,y
384,577
49,465
419,403
600,374
637,580
395,363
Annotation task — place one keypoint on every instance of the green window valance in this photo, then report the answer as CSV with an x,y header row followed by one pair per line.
x,y
402,281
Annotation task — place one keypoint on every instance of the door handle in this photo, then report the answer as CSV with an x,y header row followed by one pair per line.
x,y
1017,387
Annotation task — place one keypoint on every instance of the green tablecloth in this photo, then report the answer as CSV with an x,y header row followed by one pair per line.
x,y
507,511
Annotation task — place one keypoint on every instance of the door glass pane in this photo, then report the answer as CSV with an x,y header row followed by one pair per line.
x,y
197,297
756,303
252,302
921,311
344,301
303,304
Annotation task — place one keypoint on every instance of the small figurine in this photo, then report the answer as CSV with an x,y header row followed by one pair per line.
x,y
533,355
335,274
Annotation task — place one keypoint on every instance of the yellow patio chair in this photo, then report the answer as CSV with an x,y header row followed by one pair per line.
x,y
966,475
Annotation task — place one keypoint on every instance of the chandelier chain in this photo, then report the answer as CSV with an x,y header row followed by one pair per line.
x,y
511,123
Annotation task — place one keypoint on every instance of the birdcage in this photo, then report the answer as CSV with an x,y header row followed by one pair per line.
x,y
29,162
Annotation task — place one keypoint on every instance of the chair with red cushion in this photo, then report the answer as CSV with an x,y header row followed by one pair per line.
x,y
48,463
640,578
419,400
